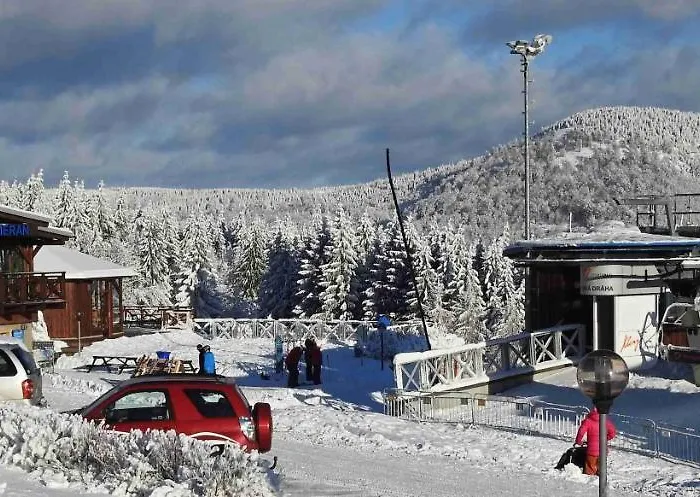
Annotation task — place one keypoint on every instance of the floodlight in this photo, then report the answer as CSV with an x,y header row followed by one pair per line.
x,y
528,50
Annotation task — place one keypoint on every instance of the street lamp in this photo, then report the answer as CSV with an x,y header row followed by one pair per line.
x,y
527,50
602,375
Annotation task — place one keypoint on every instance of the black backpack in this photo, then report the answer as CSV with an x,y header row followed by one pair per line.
x,y
573,455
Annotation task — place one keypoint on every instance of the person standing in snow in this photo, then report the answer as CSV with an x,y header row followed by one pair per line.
x,y
590,430
316,359
209,363
200,349
292,363
308,344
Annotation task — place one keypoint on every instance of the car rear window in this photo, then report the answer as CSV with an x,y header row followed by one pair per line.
x,y
210,403
7,366
25,358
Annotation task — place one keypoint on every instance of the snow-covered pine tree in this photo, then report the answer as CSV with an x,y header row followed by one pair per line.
x,y
338,295
122,217
195,257
8,195
152,253
366,274
104,217
65,210
315,254
278,285
503,311
391,277
426,275
466,301
250,260
34,195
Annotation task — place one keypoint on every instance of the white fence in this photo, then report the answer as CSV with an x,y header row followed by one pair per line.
x,y
639,435
468,365
294,330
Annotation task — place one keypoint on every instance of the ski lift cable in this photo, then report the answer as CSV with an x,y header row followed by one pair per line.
x,y
408,252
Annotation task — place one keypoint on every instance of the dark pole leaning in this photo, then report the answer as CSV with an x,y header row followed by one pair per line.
x,y
408,252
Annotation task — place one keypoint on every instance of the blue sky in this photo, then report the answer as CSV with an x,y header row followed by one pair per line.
x,y
304,93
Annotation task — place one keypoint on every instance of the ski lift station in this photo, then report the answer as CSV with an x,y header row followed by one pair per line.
x,y
619,284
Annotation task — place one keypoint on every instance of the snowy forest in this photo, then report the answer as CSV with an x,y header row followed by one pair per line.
x,y
334,268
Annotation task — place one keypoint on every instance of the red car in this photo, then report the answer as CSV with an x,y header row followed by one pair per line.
x,y
209,408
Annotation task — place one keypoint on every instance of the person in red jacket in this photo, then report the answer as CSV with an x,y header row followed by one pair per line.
x,y
316,359
292,363
590,430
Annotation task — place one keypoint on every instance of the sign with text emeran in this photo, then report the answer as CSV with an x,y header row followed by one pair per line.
x,y
7,229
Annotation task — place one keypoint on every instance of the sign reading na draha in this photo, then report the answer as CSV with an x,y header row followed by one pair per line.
x,y
8,229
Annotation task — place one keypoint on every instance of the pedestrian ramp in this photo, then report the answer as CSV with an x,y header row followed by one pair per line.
x,y
491,366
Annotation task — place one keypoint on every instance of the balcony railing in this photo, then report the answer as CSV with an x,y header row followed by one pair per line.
x,y
31,290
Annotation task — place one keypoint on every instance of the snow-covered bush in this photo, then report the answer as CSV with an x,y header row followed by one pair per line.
x,y
58,446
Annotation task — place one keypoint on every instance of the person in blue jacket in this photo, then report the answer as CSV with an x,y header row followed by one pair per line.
x,y
209,363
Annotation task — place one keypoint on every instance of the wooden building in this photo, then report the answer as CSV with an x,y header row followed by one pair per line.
x,y
25,290
93,295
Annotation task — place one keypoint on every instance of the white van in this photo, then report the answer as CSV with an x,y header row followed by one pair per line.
x,y
20,378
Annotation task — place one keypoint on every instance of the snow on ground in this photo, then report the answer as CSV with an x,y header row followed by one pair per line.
x,y
334,440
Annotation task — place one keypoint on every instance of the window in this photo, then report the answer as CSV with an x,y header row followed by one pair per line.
x,y
11,261
150,405
97,297
7,367
25,358
210,403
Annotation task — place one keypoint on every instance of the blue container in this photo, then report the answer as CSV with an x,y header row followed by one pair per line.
x,y
163,354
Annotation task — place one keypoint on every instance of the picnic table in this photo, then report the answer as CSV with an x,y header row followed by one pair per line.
x,y
132,363
120,361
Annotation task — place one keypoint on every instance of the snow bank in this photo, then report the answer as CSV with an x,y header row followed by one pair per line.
x,y
68,449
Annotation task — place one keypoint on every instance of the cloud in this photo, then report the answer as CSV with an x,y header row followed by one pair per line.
x,y
276,93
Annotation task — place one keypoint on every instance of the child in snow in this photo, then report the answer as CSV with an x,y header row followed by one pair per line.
x,y
590,430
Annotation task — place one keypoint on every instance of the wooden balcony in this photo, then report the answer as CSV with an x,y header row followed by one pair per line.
x,y
21,292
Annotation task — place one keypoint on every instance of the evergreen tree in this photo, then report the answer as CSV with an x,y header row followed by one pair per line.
x,y
278,284
338,295
466,301
427,280
65,210
315,255
104,218
504,306
152,253
250,261
391,277
34,195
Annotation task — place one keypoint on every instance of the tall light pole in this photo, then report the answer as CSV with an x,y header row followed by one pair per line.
x,y
527,50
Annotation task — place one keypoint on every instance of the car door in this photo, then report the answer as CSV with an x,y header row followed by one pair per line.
x,y
140,409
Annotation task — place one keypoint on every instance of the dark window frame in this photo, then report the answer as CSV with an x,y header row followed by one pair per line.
x,y
216,409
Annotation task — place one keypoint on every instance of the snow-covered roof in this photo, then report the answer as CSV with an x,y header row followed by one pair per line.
x,y
611,237
76,265
11,211
53,230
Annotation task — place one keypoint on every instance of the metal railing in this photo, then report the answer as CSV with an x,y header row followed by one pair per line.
x,y
466,365
533,417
